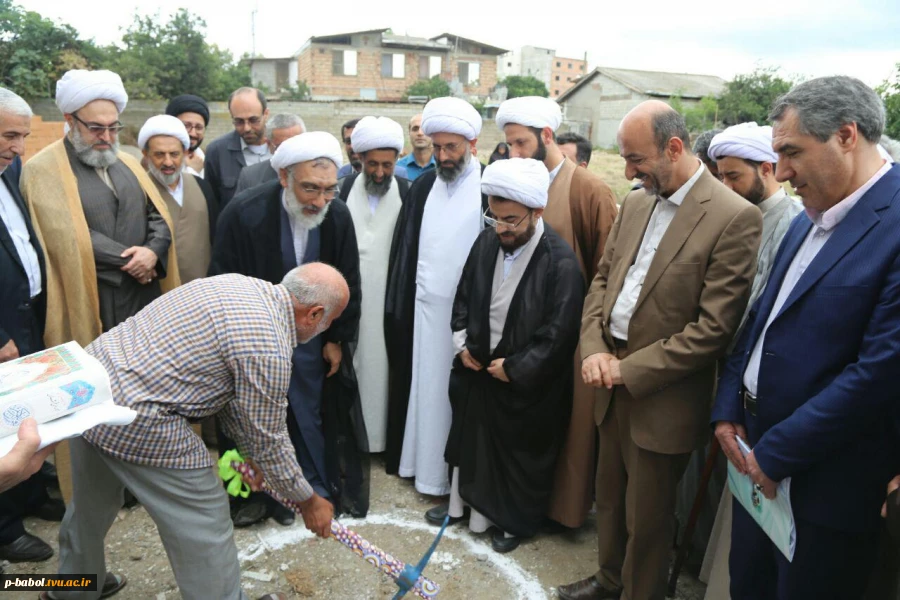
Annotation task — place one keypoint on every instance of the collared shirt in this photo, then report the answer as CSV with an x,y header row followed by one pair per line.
x,y
178,192
413,170
555,171
255,154
824,224
15,223
300,233
662,216
216,346
770,202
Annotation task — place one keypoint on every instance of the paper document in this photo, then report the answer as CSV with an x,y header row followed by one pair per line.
x,y
64,389
774,516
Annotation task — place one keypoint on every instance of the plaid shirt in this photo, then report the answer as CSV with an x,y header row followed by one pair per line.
x,y
220,345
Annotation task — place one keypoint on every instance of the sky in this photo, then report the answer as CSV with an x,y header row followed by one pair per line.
x,y
806,38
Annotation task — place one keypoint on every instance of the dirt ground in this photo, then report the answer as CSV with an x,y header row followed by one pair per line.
x,y
291,560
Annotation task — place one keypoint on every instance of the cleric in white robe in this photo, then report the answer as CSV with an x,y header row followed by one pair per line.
x,y
436,228
516,319
375,198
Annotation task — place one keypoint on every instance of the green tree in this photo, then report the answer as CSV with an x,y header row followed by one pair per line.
x,y
35,52
749,97
162,60
890,93
524,85
432,88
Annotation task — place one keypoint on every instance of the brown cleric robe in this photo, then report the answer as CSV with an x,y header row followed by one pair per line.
x,y
191,221
581,209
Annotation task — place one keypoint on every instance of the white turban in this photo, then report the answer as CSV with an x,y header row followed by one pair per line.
x,y
163,125
79,87
530,111
372,133
305,147
522,180
450,115
747,140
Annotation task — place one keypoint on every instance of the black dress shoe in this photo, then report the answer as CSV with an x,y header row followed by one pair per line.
x,y
26,548
51,510
436,514
587,589
283,515
249,514
502,544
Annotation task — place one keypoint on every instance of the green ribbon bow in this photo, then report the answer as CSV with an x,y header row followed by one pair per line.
x,y
236,485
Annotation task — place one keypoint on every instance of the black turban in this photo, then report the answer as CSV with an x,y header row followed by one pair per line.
x,y
188,103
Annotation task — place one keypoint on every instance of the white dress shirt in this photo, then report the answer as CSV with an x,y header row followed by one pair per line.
x,y
300,234
373,203
15,223
824,224
662,216
178,192
255,154
555,171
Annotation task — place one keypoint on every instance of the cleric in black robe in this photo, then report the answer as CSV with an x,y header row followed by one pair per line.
x,y
266,231
516,320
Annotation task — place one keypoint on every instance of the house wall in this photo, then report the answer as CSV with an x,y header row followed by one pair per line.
x,y
263,74
563,73
318,116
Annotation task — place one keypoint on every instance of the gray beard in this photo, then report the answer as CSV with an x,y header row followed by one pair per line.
x,y
98,159
295,209
451,174
377,189
164,179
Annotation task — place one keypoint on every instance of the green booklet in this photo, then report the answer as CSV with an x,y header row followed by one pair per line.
x,y
774,516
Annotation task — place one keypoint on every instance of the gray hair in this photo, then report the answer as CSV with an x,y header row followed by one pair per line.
x,y
283,121
825,104
701,144
668,124
311,292
12,103
891,146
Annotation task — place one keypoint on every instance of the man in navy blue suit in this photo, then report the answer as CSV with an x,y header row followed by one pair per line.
x,y
21,322
812,385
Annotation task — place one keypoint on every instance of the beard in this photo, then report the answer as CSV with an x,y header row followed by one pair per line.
x,y
541,153
195,143
162,177
654,182
757,193
452,173
296,210
511,241
319,329
374,188
98,159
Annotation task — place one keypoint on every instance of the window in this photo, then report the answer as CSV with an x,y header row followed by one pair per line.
x,y
581,68
469,72
556,92
558,64
429,66
343,62
570,65
509,64
557,78
393,65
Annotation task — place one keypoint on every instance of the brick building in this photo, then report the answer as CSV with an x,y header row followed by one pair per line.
x,y
556,72
380,65
563,74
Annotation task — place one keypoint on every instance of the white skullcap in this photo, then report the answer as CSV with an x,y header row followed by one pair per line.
x,y
79,87
450,115
373,133
523,180
163,125
305,147
747,140
530,111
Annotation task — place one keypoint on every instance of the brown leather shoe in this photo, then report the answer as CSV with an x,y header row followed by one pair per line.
x,y
587,589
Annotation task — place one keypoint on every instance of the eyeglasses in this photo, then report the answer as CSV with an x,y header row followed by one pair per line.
x,y
314,191
448,148
191,127
97,129
492,222
252,121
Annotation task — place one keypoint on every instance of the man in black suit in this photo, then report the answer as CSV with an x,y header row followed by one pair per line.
x,y
22,312
228,155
